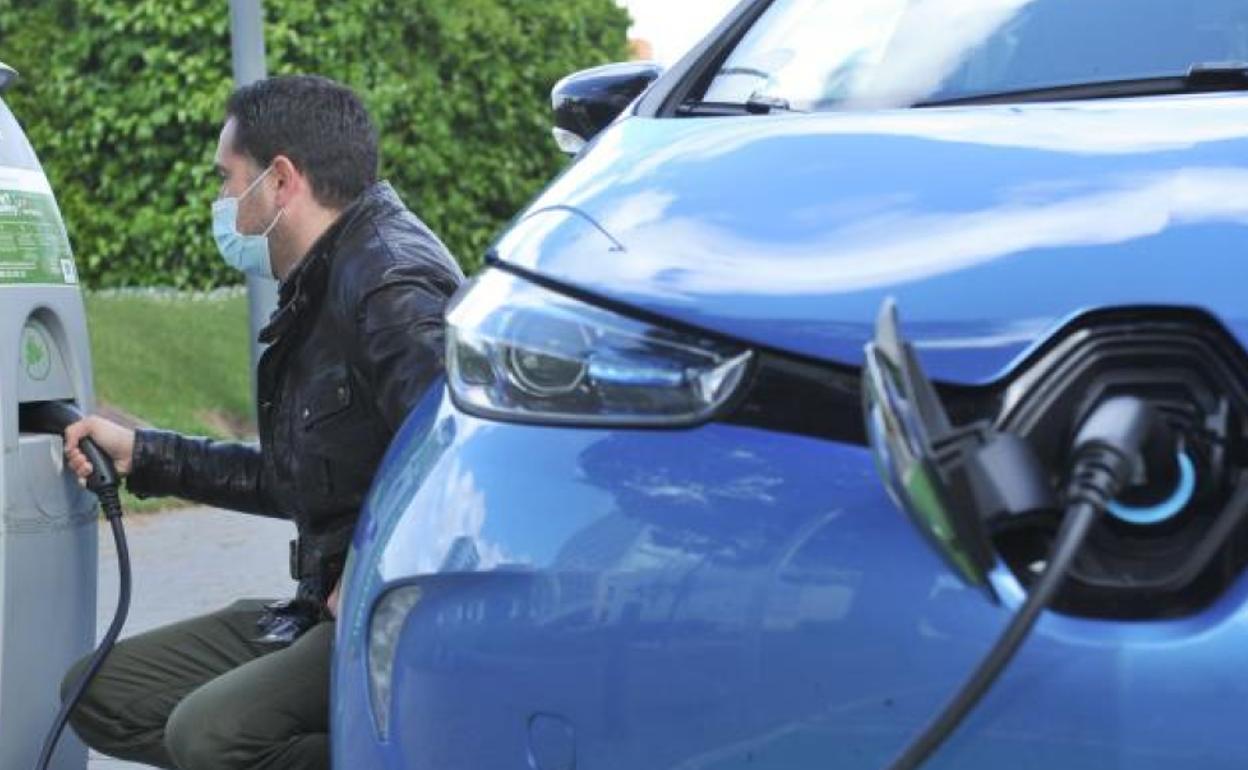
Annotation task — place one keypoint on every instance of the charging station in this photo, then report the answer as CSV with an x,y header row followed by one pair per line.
x,y
48,533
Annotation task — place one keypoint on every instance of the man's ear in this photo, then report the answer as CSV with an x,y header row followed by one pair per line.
x,y
290,183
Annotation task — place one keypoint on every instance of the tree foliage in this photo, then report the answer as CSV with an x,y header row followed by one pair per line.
x,y
123,100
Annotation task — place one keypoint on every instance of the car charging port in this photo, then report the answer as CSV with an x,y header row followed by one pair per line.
x,y
1177,536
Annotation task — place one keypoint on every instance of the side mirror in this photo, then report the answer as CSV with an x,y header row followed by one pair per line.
x,y
586,102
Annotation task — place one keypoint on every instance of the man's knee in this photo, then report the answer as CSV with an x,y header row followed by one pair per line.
x,y
92,718
73,676
201,734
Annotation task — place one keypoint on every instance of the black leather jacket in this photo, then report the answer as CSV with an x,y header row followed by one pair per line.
x,y
356,340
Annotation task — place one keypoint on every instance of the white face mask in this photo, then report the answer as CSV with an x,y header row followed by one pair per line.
x,y
249,253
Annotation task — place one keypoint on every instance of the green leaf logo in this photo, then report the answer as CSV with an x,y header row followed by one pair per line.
x,y
36,358
34,352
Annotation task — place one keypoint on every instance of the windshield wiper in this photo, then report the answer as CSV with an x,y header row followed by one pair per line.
x,y
757,104
1200,78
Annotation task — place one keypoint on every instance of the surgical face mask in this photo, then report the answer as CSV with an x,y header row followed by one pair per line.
x,y
249,253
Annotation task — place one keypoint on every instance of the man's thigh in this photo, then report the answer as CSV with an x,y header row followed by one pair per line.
x,y
124,711
272,712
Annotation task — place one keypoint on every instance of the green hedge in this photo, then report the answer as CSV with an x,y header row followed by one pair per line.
x,y
123,100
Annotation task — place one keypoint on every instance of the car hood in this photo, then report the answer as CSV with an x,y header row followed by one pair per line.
x,y
990,225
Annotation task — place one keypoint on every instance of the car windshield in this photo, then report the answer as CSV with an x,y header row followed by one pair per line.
x,y
838,54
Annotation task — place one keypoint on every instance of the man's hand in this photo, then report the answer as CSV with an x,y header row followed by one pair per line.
x,y
331,603
114,440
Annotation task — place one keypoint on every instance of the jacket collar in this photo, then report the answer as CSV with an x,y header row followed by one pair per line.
x,y
306,282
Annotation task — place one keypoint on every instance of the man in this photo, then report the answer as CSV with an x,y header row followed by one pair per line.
x,y
356,340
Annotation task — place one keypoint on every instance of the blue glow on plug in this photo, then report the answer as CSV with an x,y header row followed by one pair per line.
x,y
1166,509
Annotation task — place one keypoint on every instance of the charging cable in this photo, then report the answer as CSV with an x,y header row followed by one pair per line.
x,y
1106,452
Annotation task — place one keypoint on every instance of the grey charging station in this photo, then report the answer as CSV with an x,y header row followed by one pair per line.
x,y
48,529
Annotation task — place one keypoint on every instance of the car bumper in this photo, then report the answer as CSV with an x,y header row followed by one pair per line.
x,y
725,597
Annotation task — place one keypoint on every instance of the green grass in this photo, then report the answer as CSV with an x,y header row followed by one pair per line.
x,y
175,360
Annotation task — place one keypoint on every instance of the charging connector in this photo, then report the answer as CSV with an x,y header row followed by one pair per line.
x,y
1108,452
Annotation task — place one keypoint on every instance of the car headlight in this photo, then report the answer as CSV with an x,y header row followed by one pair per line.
x,y
389,614
517,351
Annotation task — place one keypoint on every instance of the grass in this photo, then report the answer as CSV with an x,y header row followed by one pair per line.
x,y
175,360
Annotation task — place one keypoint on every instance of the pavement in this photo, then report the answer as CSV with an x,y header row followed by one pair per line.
x,y
188,562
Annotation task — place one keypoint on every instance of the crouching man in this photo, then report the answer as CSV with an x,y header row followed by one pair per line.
x,y
356,340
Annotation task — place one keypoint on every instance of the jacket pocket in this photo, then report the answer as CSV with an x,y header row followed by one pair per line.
x,y
327,396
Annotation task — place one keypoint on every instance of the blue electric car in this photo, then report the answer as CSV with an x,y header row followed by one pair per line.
x,y
647,522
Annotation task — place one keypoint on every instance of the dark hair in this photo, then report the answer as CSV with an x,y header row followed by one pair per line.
x,y
320,125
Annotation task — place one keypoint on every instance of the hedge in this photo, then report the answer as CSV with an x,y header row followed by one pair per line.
x,y
123,100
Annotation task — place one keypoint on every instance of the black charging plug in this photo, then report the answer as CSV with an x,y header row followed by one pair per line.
x,y
1122,439
54,417
1121,436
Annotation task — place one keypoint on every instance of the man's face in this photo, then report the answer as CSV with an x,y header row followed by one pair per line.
x,y
237,172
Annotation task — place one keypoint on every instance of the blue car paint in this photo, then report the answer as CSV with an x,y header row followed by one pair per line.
x,y
726,597
990,225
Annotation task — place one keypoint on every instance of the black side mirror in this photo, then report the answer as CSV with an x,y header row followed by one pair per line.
x,y
586,102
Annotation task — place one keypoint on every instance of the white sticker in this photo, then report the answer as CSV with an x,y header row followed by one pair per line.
x,y
68,271
24,180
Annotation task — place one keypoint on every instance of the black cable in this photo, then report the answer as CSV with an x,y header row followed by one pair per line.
x,y
110,501
1075,526
1106,449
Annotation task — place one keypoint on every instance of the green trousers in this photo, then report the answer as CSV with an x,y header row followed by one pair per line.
x,y
202,695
